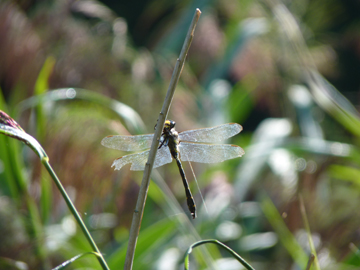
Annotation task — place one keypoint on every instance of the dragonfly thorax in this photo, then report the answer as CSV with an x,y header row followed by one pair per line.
x,y
170,138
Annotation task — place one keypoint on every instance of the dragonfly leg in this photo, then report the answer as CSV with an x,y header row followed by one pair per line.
x,y
164,142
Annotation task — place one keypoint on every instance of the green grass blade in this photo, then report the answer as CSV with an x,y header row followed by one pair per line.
x,y
126,113
68,262
9,185
332,101
24,137
18,186
345,173
19,134
42,82
216,242
41,86
285,236
308,231
149,237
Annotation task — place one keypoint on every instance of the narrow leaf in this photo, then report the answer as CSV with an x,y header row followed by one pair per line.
x,y
307,228
68,262
216,242
285,236
20,135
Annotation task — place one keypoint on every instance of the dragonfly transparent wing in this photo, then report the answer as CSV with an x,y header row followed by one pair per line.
x,y
209,153
208,135
128,143
138,160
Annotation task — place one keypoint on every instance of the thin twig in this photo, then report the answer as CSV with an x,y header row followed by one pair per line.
x,y
140,205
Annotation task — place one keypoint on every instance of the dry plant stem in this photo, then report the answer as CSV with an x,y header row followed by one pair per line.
x,y
139,210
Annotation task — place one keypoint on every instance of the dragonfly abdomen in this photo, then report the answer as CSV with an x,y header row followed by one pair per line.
x,y
189,197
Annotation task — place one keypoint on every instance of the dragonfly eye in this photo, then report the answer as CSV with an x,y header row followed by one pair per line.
x,y
171,123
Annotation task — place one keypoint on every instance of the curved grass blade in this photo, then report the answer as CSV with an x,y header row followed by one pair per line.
x,y
8,121
15,178
20,135
126,113
9,128
68,262
332,101
325,95
214,241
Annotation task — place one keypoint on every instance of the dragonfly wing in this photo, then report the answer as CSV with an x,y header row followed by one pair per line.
x,y
128,143
163,157
138,160
209,153
209,135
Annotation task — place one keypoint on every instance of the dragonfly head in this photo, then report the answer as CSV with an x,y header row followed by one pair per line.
x,y
169,124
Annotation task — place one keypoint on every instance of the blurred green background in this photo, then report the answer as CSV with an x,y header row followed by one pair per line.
x,y
73,72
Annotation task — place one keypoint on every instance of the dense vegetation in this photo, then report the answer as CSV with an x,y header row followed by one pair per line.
x,y
73,72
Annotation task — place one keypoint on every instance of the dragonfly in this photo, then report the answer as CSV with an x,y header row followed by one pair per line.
x,y
192,145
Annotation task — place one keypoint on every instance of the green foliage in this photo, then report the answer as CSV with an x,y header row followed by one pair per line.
x,y
287,72
151,238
